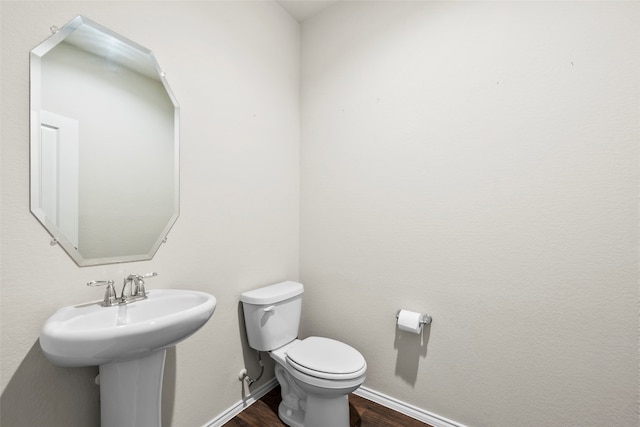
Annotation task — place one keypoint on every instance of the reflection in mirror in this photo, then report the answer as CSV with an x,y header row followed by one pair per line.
x,y
104,145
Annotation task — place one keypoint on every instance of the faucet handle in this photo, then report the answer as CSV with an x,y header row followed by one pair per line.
x,y
95,283
109,293
139,284
143,292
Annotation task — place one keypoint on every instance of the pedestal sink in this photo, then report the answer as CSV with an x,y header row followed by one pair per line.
x,y
128,342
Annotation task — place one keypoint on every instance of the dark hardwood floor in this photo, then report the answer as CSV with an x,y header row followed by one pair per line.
x,y
362,413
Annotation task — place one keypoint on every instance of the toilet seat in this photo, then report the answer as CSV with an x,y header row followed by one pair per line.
x,y
326,358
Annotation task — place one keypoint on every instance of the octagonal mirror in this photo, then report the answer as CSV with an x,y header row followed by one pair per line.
x,y
104,145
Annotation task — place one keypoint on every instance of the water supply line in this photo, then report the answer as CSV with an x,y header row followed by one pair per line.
x,y
245,377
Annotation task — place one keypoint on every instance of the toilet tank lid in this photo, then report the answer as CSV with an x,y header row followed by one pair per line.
x,y
273,293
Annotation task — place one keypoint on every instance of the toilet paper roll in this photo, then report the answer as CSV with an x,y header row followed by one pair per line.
x,y
409,321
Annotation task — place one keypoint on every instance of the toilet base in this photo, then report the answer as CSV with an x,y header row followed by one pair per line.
x,y
304,405
327,412
289,416
321,412
294,400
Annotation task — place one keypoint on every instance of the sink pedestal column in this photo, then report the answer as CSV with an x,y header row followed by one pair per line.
x,y
130,391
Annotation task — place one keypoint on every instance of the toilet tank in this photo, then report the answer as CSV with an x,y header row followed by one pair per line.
x,y
272,314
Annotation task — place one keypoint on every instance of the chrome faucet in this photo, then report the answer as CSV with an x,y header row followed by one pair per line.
x,y
133,280
109,294
137,291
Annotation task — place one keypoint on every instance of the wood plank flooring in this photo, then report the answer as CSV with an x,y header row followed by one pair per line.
x,y
362,413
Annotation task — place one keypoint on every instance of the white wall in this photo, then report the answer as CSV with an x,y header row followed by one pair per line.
x,y
233,67
479,162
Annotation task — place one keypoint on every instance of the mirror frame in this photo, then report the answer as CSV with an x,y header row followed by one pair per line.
x,y
35,74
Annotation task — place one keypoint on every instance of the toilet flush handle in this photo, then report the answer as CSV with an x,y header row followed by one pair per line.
x,y
269,309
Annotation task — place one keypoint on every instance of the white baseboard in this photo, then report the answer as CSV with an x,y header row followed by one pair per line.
x,y
375,396
405,408
227,415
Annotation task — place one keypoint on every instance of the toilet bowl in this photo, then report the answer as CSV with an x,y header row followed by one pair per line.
x,y
316,374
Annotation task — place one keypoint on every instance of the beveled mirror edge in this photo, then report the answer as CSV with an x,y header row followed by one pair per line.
x,y
57,36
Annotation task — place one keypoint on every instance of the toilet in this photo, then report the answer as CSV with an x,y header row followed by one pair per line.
x,y
316,374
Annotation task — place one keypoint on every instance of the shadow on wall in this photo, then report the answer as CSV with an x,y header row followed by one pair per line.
x,y
41,393
250,358
411,347
168,388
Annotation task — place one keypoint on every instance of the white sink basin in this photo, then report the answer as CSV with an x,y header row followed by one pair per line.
x,y
90,335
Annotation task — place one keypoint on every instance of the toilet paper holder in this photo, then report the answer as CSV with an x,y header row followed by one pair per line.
x,y
424,320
